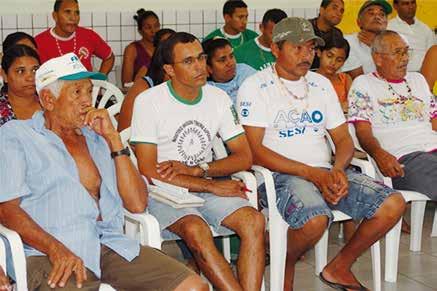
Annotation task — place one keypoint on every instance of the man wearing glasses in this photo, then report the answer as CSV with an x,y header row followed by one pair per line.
x,y
173,127
394,114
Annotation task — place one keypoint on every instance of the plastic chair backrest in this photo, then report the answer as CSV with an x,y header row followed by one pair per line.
x,y
108,91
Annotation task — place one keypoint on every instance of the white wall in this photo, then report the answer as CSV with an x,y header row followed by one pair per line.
x,y
39,6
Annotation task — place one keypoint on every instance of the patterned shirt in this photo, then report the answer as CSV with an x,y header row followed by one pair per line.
x,y
400,112
44,176
6,112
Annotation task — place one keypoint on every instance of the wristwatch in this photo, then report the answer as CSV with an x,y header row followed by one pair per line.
x,y
124,151
205,168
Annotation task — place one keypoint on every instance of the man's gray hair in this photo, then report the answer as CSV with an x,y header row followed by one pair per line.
x,y
379,44
55,87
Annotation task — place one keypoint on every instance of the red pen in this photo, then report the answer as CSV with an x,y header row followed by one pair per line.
x,y
247,190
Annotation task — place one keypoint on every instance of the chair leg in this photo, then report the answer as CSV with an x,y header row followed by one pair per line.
x,y
227,248
434,225
376,265
417,214
321,252
392,239
278,251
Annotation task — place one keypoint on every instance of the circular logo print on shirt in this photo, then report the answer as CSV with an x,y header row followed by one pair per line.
x,y
245,112
192,142
84,53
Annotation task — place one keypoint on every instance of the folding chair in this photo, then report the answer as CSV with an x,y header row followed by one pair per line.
x,y
107,91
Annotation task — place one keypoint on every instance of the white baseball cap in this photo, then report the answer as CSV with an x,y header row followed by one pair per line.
x,y
66,67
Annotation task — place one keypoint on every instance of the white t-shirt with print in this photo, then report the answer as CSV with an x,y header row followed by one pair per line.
x,y
183,131
294,128
402,125
360,55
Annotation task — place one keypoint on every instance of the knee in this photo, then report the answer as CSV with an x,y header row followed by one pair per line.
x,y
251,224
193,283
315,227
196,233
393,207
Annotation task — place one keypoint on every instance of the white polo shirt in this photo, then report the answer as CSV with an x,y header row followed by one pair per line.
x,y
360,55
419,36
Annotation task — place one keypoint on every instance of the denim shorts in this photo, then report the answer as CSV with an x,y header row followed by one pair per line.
x,y
299,200
213,212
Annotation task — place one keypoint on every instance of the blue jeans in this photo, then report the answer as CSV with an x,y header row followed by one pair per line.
x,y
299,200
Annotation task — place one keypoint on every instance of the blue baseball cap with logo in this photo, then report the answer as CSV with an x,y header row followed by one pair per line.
x,y
66,67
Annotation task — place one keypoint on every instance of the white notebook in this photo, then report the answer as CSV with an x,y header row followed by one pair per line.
x,y
175,196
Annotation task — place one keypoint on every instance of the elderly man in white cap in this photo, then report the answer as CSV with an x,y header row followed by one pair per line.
x,y
65,179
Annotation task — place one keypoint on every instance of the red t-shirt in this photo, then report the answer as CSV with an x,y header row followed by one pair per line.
x,y
83,42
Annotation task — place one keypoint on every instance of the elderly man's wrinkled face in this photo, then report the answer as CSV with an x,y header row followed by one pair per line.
x,y
373,19
73,103
392,60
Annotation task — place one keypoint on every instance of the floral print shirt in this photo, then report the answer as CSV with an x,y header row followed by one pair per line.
x,y
6,112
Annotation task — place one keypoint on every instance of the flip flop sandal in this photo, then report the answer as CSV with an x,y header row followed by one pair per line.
x,y
339,286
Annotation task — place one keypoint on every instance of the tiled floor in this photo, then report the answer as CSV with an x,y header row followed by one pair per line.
x,y
417,271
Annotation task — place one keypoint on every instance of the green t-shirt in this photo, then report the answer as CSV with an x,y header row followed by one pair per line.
x,y
255,55
236,40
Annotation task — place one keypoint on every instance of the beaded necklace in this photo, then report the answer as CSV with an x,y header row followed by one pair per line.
x,y
288,91
399,98
59,47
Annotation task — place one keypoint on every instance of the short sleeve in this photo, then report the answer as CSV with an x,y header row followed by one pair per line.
x,y
360,105
144,127
12,165
335,116
229,126
102,49
252,108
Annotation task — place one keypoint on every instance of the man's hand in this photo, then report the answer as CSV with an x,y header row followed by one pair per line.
x,y
332,184
388,164
366,37
171,169
99,121
228,188
65,263
4,281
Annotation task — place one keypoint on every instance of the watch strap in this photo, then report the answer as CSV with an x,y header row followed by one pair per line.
x,y
122,152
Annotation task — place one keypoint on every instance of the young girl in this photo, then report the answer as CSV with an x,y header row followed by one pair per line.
x,y
332,57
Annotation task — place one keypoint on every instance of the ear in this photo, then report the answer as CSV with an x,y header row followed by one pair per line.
x,y
47,99
169,70
377,59
4,76
275,49
319,53
209,69
55,16
227,17
359,22
261,28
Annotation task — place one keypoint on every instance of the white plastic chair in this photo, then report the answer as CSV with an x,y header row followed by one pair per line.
x,y
108,90
278,237
418,204
434,225
147,226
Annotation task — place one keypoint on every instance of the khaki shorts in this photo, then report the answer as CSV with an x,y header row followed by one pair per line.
x,y
151,270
